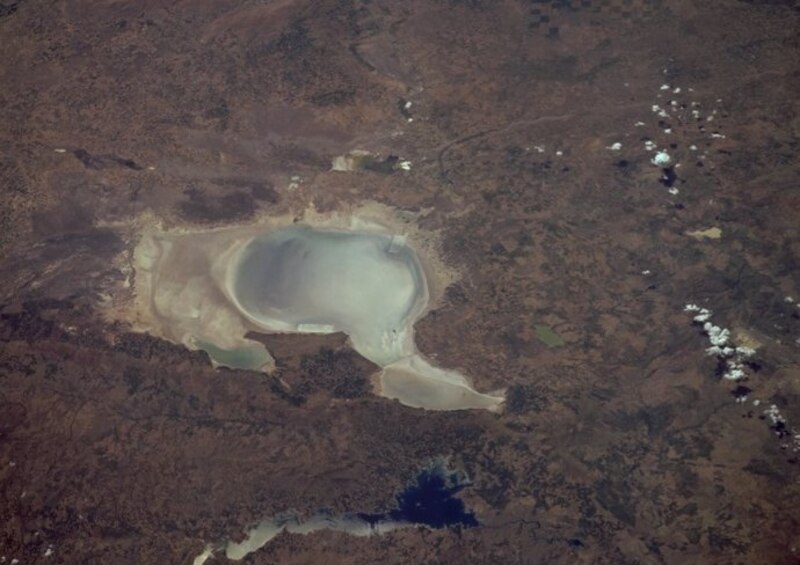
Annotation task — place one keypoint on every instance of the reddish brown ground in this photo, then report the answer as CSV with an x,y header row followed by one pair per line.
x,y
621,446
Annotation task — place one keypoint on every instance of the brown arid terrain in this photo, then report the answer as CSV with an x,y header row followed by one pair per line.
x,y
526,137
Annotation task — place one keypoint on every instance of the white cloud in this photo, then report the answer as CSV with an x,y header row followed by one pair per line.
x,y
661,158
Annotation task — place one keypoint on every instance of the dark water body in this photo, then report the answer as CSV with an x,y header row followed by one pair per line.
x,y
430,501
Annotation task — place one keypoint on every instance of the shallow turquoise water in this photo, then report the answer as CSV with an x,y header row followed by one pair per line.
x,y
368,285
252,358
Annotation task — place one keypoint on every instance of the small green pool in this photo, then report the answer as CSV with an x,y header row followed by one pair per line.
x,y
252,358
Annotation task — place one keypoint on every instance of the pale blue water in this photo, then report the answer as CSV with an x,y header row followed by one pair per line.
x,y
364,284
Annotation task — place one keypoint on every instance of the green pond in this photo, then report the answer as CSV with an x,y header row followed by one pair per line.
x,y
252,358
